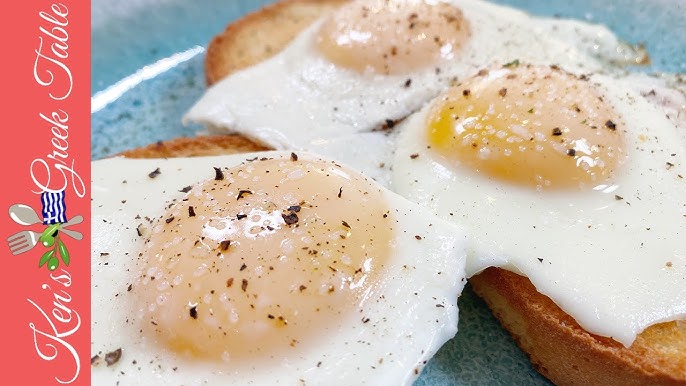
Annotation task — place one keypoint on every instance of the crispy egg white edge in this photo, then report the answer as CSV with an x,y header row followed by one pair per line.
x,y
438,257
591,294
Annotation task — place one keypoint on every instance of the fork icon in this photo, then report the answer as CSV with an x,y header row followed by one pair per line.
x,y
22,241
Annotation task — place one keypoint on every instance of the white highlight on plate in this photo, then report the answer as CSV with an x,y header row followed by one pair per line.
x,y
103,98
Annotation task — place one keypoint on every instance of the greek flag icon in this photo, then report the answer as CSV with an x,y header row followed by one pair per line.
x,y
54,209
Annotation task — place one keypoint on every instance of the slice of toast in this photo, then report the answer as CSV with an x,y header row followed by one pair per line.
x,y
195,147
568,355
559,348
259,35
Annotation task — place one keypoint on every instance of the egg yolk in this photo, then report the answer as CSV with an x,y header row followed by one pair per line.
x,y
392,36
536,126
260,260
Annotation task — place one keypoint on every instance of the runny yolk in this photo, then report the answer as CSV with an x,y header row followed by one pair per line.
x,y
258,263
530,125
392,36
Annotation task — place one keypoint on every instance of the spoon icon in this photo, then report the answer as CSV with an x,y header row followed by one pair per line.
x,y
24,214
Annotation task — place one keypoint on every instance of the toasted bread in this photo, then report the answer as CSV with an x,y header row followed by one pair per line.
x,y
195,147
259,35
568,355
558,347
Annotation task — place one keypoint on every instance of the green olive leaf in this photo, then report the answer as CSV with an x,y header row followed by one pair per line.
x,y
49,232
46,256
64,252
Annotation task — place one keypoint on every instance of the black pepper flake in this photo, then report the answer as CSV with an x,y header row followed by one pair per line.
x,y
414,155
502,92
618,197
229,282
138,230
513,63
408,82
294,208
302,288
290,218
669,165
224,245
95,358
540,260
345,224
243,267
113,357
557,131
389,124
241,216
191,211
194,312
270,316
340,192
571,152
294,157
170,219
154,173
129,288
466,92
218,174
418,237
365,320
242,194
440,306
186,189
611,125
244,284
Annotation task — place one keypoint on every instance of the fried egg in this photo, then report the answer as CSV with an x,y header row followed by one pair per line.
x,y
575,181
265,268
372,63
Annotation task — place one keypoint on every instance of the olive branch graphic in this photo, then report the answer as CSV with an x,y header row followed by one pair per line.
x,y
50,238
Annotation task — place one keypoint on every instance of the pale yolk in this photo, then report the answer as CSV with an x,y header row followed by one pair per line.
x,y
530,125
259,263
392,36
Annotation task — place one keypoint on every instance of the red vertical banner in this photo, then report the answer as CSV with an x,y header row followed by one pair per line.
x,y
45,205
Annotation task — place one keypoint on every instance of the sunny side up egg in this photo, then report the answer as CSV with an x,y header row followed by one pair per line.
x,y
265,268
354,73
575,181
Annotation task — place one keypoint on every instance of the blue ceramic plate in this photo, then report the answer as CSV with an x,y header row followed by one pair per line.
x,y
147,63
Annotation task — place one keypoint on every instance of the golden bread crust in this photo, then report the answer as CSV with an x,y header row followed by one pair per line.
x,y
568,355
195,147
261,34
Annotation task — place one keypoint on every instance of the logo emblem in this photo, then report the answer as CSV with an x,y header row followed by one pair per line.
x,y
54,220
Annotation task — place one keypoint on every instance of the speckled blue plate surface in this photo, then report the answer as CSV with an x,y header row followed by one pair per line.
x,y
147,70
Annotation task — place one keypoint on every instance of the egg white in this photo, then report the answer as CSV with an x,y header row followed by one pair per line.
x,y
299,100
412,311
613,258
